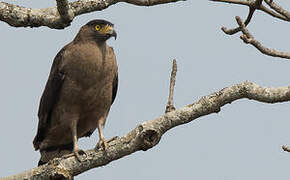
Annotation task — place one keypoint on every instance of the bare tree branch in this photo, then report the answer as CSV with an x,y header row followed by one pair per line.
x,y
148,134
235,30
286,148
65,13
278,12
248,38
60,17
278,9
170,105
251,3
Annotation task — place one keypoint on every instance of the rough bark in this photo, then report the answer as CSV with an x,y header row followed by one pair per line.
x,y
148,134
60,17
64,11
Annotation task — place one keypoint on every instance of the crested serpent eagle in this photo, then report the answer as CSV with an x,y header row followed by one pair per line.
x,y
80,90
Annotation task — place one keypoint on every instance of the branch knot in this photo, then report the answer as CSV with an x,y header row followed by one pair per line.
x,y
149,139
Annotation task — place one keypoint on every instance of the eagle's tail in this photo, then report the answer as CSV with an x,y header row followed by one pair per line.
x,y
54,152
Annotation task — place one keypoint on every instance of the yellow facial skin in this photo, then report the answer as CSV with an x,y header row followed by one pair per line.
x,y
104,29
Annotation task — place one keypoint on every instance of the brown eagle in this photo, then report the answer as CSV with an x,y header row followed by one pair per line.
x,y
80,90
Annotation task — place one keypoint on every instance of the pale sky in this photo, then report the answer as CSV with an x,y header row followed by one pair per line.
x,y
241,142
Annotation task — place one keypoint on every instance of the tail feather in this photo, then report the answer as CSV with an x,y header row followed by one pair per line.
x,y
54,152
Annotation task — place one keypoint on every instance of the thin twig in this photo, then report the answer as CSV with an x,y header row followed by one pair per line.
x,y
252,9
235,30
170,106
251,3
286,148
248,38
278,9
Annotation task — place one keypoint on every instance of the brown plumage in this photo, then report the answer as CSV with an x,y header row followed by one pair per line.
x,y
79,92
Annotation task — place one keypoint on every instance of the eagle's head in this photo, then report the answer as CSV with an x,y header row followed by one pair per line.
x,y
99,30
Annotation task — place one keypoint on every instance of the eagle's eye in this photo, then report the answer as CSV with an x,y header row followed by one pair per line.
x,y
98,27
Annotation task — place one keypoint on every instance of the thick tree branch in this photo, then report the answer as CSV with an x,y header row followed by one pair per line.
x,y
60,17
248,38
148,134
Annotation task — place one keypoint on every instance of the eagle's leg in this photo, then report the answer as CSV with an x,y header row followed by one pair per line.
x,y
76,149
102,142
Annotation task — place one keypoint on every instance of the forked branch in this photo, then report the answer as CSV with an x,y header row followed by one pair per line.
x,y
252,8
149,133
64,11
273,10
248,38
